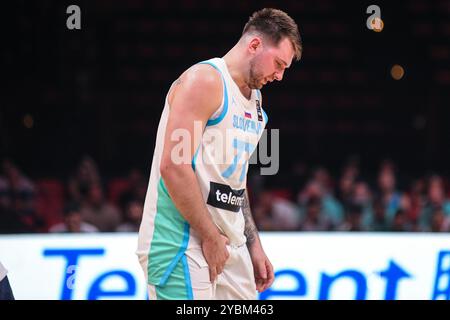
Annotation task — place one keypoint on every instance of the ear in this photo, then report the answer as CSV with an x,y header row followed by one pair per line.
x,y
255,44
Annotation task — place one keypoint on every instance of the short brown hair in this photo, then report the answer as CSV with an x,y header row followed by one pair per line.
x,y
275,25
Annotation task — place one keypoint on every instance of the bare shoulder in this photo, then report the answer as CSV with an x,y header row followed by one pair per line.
x,y
201,83
203,75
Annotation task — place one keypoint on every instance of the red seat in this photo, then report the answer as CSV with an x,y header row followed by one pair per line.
x,y
282,193
49,201
116,187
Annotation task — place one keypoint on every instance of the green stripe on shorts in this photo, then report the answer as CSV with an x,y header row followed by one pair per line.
x,y
178,286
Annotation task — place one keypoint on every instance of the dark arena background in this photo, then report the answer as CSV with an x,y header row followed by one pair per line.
x,y
362,195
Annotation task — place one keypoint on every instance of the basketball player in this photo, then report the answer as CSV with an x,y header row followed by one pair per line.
x,y
197,238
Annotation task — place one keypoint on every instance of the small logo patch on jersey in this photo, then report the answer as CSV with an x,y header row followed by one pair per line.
x,y
248,115
223,197
258,110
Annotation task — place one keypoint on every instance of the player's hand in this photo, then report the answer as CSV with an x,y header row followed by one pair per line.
x,y
216,254
263,269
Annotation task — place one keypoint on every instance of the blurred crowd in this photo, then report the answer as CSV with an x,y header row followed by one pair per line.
x,y
87,202
351,203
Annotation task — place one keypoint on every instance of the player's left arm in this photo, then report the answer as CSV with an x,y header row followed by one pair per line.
x,y
263,269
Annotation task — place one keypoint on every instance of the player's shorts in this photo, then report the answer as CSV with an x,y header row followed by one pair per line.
x,y
190,278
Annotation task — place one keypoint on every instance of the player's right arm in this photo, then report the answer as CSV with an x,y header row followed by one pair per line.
x,y
195,96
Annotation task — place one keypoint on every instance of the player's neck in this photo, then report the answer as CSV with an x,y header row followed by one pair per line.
x,y
237,68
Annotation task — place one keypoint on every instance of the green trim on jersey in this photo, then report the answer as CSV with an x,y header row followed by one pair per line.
x,y
170,239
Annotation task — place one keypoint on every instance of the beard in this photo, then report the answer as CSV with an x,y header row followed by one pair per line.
x,y
255,77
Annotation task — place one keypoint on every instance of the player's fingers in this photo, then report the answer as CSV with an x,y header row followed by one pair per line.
x,y
219,270
267,282
266,285
212,274
270,274
263,272
263,284
259,285
225,238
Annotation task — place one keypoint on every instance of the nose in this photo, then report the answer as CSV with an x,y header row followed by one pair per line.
x,y
279,75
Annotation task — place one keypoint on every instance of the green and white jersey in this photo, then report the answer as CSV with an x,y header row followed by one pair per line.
x,y
220,164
